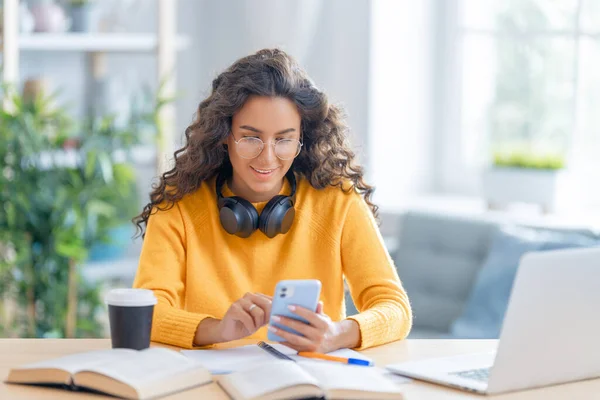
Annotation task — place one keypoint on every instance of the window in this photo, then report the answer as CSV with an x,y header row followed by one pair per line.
x,y
527,78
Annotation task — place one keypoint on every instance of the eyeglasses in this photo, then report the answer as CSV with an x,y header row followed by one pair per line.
x,y
251,147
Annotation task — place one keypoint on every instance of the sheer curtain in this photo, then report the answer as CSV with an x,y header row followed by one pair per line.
x,y
402,149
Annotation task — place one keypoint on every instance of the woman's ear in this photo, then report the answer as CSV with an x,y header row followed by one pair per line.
x,y
225,140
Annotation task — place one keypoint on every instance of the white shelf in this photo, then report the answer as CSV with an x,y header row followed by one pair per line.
x,y
141,155
95,42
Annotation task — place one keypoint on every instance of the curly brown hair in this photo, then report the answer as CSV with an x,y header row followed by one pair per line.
x,y
325,160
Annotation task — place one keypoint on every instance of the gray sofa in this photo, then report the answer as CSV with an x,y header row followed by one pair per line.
x,y
440,257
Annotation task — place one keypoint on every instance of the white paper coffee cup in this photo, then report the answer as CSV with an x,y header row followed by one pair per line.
x,y
130,313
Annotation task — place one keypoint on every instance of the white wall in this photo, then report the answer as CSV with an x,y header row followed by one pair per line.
x,y
329,38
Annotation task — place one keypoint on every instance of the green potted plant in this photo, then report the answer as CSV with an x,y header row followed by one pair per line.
x,y
521,175
60,191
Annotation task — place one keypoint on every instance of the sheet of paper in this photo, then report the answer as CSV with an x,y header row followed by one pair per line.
x,y
230,360
226,361
397,379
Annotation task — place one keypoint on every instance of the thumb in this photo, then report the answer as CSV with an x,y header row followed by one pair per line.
x,y
320,308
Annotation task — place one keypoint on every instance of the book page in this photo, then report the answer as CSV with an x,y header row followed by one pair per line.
x,y
336,376
79,361
259,380
146,366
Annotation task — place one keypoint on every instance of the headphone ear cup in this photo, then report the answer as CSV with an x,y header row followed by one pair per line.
x,y
277,216
238,216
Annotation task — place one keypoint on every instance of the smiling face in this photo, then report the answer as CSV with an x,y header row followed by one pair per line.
x,y
270,119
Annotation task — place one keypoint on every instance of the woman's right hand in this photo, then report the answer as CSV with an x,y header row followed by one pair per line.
x,y
245,316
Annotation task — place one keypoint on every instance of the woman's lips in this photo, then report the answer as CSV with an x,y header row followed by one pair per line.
x,y
263,174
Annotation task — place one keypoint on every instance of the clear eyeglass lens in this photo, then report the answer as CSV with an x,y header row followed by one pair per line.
x,y
249,147
285,149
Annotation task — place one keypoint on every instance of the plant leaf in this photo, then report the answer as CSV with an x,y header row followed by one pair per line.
x,y
90,164
106,167
102,208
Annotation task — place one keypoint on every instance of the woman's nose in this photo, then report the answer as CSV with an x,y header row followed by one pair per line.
x,y
268,153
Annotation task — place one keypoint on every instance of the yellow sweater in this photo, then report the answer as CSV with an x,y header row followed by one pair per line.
x,y
197,270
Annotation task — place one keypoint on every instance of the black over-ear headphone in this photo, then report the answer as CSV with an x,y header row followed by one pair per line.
x,y
239,217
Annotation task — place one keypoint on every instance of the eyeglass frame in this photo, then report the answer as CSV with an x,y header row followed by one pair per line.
x,y
273,143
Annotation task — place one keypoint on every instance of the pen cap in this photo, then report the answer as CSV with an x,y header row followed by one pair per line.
x,y
356,361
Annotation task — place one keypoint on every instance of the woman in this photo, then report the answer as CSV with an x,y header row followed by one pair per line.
x,y
301,210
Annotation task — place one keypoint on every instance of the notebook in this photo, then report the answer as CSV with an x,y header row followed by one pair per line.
x,y
124,373
226,361
280,379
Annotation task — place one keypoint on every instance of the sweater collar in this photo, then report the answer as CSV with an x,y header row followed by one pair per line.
x,y
285,190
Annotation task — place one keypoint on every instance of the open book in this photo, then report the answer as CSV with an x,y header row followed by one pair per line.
x,y
130,374
280,380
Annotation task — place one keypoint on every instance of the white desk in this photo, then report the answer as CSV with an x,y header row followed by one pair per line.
x,y
14,352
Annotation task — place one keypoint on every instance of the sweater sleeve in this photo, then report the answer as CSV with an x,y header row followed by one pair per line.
x,y
384,309
162,269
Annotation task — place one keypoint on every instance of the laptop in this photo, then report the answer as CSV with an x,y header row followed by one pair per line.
x,y
550,333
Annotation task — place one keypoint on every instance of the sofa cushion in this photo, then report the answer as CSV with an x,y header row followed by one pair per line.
x,y
437,260
485,308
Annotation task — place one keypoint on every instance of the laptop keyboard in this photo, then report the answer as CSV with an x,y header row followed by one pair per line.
x,y
481,374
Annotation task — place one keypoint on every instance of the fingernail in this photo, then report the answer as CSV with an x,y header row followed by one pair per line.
x,y
275,318
272,328
292,308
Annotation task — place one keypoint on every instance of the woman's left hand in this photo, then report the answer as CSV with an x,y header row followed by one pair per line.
x,y
321,334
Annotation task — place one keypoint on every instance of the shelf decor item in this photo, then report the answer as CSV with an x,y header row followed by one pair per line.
x,y
524,177
49,17
81,12
116,16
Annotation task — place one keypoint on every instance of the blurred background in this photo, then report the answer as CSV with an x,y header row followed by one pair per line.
x,y
476,120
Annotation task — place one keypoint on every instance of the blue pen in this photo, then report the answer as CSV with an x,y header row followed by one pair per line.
x,y
320,356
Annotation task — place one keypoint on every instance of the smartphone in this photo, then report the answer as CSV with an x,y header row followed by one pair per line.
x,y
298,292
